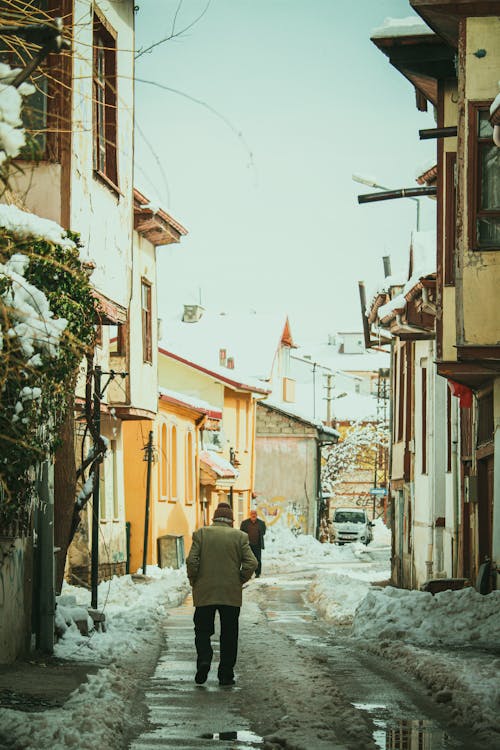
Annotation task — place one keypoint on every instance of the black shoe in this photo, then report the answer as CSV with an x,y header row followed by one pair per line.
x,y
226,681
202,674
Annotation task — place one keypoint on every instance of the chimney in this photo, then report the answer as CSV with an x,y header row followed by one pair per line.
x,y
222,357
192,313
230,363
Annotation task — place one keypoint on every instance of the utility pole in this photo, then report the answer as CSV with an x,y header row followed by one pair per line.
x,y
329,397
149,458
46,600
96,421
96,416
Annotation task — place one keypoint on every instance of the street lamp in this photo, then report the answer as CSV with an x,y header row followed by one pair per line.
x,y
372,183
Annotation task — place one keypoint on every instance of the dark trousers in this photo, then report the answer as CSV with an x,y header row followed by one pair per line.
x,y
204,627
258,554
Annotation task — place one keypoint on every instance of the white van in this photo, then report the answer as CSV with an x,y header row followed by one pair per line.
x,y
352,525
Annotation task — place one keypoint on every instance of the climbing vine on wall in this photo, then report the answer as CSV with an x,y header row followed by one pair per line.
x,y
47,318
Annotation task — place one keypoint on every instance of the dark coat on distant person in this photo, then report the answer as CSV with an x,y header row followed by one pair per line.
x,y
262,529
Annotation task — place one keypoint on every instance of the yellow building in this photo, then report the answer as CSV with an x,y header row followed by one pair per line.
x,y
227,405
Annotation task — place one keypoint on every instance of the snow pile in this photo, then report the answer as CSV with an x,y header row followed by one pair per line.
x,y
33,322
449,618
337,596
24,224
134,614
286,551
12,135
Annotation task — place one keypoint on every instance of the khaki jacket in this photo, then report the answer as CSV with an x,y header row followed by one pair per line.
x,y
219,562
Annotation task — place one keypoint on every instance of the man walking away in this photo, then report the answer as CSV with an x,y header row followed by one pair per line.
x,y
255,528
220,561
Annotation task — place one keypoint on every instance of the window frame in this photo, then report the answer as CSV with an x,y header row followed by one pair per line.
x,y
174,463
474,178
450,218
423,372
189,466
104,100
147,322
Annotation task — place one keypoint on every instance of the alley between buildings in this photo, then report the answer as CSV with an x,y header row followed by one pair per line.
x,y
300,684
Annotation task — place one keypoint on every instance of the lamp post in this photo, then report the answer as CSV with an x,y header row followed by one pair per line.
x,y
377,186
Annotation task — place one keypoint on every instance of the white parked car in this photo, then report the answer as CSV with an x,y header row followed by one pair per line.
x,y
352,525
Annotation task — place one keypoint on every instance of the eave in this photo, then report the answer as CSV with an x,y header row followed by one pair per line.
x,y
156,226
109,312
472,374
423,59
443,16
221,378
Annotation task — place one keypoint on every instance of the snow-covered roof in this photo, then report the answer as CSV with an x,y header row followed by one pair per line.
x,y
251,340
191,401
327,355
398,27
217,463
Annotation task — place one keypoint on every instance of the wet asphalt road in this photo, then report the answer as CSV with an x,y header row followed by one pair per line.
x,y
400,714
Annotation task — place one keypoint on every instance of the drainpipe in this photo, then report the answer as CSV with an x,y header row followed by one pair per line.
x,y
455,466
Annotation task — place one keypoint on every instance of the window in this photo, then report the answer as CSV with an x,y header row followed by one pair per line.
x,y
189,469
450,218
424,420
401,396
163,463
114,458
117,346
484,195
147,347
104,100
174,462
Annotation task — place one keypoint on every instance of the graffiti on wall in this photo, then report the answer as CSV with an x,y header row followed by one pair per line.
x,y
288,513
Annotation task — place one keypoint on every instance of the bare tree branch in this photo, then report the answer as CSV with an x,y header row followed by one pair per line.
x,y
174,33
215,112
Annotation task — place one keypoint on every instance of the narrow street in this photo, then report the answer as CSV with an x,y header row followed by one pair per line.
x,y
300,684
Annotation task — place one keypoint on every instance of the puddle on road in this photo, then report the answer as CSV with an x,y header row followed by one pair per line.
x,y
404,734
243,736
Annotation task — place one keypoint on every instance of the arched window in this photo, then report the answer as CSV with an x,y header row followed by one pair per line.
x,y
189,469
174,462
163,463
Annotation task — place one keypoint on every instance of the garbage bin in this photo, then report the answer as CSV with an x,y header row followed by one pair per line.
x,y
171,551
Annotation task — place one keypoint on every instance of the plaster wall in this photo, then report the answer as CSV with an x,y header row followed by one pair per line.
x,y
481,270
180,377
40,186
174,512
450,116
15,598
285,480
112,537
142,378
101,215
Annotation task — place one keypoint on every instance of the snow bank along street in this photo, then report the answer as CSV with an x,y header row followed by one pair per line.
x,y
447,641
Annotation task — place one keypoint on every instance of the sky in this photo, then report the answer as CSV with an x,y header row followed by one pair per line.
x,y
292,100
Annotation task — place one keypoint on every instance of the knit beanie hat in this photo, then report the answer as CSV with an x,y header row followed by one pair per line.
x,y
224,512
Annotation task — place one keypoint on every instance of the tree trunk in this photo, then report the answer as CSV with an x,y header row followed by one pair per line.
x,y
64,492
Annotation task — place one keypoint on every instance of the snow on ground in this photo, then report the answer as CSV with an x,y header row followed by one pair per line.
x,y
448,641
337,594
134,615
442,639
